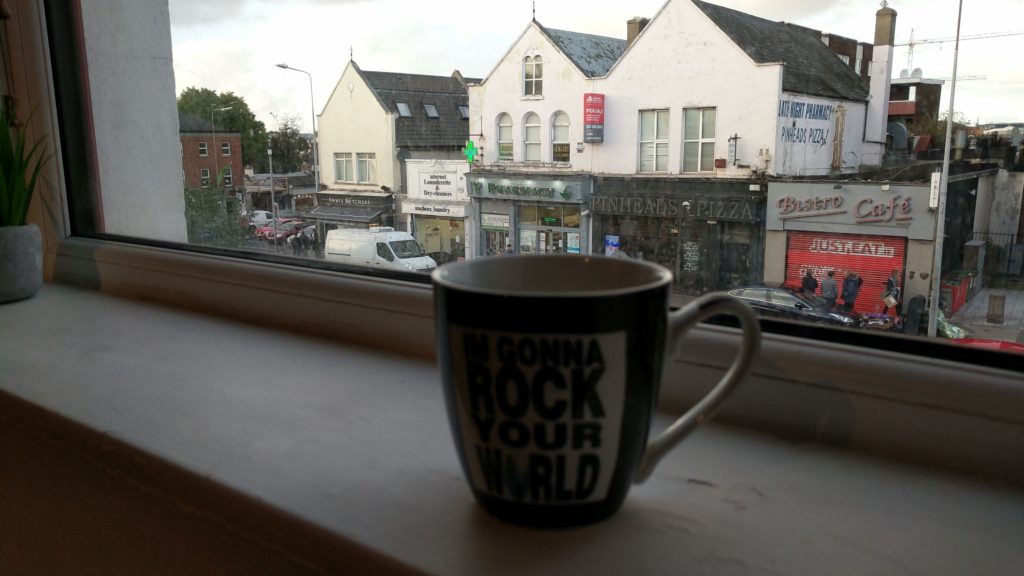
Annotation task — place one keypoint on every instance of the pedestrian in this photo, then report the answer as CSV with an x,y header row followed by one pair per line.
x,y
851,287
809,285
892,288
508,250
828,289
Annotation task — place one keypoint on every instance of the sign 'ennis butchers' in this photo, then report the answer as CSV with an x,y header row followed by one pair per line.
x,y
541,413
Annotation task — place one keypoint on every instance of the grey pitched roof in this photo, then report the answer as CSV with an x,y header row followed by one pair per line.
x,y
810,66
190,123
593,55
446,93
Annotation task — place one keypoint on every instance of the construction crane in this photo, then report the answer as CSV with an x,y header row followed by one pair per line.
x,y
912,42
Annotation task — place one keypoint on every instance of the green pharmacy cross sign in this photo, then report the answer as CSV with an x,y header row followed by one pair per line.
x,y
470,151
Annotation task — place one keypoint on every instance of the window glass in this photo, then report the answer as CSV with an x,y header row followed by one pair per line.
x,y
818,194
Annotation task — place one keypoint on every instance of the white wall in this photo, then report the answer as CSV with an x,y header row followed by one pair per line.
x,y
502,91
134,113
807,131
354,121
1006,203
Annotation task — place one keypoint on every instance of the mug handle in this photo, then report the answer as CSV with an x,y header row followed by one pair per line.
x,y
678,323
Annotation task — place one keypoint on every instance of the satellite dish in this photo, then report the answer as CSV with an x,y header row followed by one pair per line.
x,y
904,73
917,73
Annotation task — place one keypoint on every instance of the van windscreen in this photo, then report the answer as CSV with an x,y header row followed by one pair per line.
x,y
407,249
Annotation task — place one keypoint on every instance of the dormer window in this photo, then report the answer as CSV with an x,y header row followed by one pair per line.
x,y
431,110
464,111
403,109
533,76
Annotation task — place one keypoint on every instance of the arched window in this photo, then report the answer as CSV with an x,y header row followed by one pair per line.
x,y
560,137
504,137
533,76
531,137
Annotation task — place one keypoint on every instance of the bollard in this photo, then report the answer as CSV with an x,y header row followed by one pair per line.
x,y
996,307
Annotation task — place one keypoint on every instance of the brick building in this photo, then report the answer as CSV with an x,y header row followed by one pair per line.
x,y
206,151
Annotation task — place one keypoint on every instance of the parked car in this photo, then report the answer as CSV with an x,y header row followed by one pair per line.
x,y
266,232
991,344
285,230
792,305
260,218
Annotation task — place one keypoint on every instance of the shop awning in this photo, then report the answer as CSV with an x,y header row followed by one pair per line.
x,y
345,213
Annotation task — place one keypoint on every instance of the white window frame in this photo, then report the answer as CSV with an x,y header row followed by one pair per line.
x,y
505,138
366,167
225,148
560,135
533,75
532,137
204,177
228,180
797,385
654,145
347,172
204,149
700,141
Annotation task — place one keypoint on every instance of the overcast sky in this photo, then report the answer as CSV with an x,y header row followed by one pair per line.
x,y
232,45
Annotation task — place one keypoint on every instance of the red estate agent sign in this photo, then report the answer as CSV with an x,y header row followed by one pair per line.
x,y
593,117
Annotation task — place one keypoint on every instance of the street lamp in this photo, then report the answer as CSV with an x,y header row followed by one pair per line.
x,y
273,212
216,150
312,110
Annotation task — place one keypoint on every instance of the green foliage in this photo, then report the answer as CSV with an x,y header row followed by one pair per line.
x,y
201,103
19,168
213,218
291,150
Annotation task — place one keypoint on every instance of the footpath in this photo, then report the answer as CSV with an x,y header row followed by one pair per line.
x,y
974,316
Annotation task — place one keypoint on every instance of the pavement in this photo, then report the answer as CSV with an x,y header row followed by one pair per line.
x,y
974,316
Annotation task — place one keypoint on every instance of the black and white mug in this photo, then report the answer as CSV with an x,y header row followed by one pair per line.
x,y
550,367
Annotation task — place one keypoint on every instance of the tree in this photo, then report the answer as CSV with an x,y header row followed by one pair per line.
x,y
212,218
292,151
936,127
202,103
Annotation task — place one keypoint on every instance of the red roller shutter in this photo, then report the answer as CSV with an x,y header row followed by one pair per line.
x,y
873,257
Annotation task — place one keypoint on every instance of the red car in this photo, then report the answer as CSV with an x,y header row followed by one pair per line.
x,y
990,344
266,232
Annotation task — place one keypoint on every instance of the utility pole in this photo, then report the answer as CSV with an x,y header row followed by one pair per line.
x,y
940,216
273,204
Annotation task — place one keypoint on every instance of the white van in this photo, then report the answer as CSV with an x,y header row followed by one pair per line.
x,y
379,246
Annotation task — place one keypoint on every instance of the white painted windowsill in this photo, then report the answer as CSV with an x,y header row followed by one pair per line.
x,y
353,443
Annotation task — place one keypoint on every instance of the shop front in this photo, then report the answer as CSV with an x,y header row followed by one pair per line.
x,y
543,215
436,207
351,209
708,233
870,229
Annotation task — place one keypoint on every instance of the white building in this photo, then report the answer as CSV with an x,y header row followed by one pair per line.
x,y
391,149
661,144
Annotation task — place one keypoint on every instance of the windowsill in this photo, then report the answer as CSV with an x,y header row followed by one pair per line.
x,y
353,444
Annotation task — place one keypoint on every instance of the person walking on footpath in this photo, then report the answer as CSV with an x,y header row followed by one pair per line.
x,y
892,288
851,288
828,289
809,285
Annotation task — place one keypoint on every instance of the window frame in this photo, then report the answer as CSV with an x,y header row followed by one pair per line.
x,y
555,141
532,149
204,149
533,75
228,176
657,143
431,111
204,177
349,171
403,109
508,143
700,141
366,167
225,148
904,378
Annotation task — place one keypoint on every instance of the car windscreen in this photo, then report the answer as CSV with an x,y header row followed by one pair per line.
x,y
407,249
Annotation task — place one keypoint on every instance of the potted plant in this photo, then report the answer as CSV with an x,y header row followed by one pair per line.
x,y
21,244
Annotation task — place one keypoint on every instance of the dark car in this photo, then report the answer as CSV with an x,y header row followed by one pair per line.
x,y
793,305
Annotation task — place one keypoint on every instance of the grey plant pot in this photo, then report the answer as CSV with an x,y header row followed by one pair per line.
x,y
21,262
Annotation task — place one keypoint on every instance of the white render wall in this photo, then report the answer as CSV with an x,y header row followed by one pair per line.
x,y
681,60
805,140
564,86
135,118
354,121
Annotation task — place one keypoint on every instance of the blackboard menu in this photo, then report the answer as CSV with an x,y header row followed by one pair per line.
x,y
691,256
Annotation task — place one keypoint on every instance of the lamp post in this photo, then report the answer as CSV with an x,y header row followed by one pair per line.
x,y
940,215
312,110
216,150
273,212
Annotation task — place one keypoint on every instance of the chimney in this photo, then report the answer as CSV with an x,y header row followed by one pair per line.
x,y
881,75
634,27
